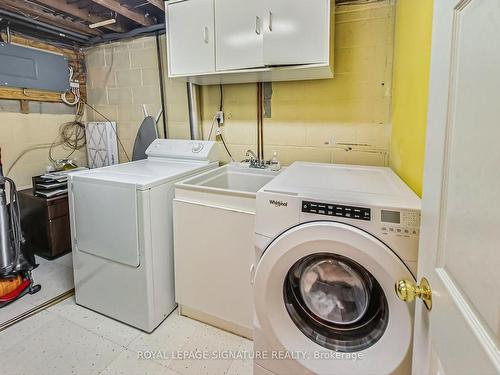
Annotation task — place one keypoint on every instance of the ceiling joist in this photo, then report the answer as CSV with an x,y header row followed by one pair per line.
x,y
117,7
73,18
30,9
82,13
157,3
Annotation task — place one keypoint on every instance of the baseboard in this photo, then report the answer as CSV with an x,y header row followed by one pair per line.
x,y
216,322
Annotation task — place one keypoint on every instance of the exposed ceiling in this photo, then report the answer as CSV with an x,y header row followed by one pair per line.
x,y
67,21
75,16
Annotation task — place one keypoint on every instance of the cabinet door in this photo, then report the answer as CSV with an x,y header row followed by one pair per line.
x,y
212,271
190,28
239,34
296,32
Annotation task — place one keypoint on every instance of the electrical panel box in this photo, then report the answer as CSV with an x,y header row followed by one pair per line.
x,y
30,68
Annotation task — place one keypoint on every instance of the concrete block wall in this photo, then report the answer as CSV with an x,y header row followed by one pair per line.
x,y
343,120
122,77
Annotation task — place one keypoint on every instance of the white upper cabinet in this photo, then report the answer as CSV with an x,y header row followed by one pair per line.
x,y
239,34
296,32
234,41
191,37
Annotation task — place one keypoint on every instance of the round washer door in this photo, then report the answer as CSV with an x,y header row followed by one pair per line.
x,y
325,287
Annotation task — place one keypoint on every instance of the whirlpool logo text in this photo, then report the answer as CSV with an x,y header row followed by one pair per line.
x,y
276,203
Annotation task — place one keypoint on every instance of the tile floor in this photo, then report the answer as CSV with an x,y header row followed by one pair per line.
x,y
55,277
69,339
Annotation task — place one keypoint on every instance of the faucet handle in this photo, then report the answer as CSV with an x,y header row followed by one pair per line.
x,y
251,154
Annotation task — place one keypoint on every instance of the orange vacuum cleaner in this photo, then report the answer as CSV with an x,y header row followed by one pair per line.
x,y
16,256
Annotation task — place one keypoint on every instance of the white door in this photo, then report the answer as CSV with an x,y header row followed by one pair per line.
x,y
191,44
296,32
239,34
460,237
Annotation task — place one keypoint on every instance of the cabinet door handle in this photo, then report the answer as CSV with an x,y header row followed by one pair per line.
x,y
205,34
270,21
257,25
252,274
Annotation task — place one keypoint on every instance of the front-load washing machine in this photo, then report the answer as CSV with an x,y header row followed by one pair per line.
x,y
331,241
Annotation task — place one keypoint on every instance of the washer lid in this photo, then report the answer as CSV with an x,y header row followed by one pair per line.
x,y
144,174
387,330
362,185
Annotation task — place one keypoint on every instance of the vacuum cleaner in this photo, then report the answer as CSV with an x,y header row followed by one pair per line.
x,y
17,261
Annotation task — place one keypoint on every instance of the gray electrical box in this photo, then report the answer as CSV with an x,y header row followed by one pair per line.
x,y
30,68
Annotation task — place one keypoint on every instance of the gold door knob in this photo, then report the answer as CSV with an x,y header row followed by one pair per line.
x,y
407,291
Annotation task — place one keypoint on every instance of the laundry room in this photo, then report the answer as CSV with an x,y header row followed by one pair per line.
x,y
233,187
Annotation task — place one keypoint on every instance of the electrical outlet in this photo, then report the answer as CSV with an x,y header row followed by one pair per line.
x,y
220,116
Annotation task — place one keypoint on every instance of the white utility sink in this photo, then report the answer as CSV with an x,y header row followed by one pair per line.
x,y
214,220
232,179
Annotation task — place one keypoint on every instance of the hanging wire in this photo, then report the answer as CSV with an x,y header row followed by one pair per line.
x,y
219,133
71,136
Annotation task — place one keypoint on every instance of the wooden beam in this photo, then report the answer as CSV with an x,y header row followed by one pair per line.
x,y
157,3
32,95
25,8
115,6
70,53
36,95
83,14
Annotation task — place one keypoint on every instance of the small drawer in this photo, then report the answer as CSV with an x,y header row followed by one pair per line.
x,y
58,209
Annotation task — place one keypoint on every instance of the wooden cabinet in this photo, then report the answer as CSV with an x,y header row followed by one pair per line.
x,y
191,43
45,224
232,41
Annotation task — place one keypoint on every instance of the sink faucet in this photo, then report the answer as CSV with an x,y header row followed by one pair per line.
x,y
252,155
255,162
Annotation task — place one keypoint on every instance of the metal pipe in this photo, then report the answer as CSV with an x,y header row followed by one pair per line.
x,y
194,111
6,253
260,122
45,27
37,309
162,88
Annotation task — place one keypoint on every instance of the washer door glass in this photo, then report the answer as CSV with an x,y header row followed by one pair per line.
x,y
336,302
334,291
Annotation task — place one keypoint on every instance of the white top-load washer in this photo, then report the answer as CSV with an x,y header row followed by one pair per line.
x,y
121,227
331,241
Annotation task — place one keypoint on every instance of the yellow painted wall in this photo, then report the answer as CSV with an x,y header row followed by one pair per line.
x,y
19,132
410,89
314,120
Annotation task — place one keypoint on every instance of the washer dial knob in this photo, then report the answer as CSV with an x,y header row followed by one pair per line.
x,y
197,147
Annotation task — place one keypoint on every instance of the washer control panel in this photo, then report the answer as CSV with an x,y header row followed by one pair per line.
x,y
183,150
400,222
330,209
197,147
